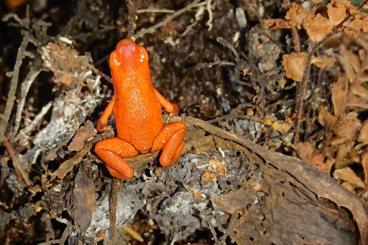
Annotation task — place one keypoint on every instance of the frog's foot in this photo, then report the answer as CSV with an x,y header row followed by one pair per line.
x,y
171,141
112,151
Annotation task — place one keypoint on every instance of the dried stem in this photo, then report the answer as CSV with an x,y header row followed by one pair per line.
x,y
20,171
168,18
13,88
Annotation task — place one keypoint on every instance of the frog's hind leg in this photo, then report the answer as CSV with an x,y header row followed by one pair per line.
x,y
112,152
171,141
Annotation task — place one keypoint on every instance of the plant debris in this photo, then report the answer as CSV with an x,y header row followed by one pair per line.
x,y
280,154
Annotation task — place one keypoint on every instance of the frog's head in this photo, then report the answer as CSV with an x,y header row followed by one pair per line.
x,y
128,54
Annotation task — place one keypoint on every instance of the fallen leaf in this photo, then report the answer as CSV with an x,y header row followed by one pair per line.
x,y
323,62
325,118
282,126
276,24
344,155
336,13
208,177
81,137
83,202
338,96
363,136
294,65
217,167
365,166
296,15
307,152
348,126
348,175
317,27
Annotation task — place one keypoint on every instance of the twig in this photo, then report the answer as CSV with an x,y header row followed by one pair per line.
x,y
132,14
25,131
98,72
20,171
115,187
169,18
225,117
31,76
167,11
210,15
306,75
13,87
131,232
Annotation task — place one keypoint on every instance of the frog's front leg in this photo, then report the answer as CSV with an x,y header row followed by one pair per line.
x,y
112,152
171,141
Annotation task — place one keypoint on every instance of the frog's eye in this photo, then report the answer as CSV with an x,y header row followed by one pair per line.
x,y
143,55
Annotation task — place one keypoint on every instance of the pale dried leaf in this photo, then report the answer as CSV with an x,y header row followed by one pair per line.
x,y
355,102
336,13
360,23
282,126
348,126
352,58
294,65
317,27
338,98
363,136
359,90
365,166
348,175
296,15
276,24
344,155
325,118
83,202
80,138
323,62
307,152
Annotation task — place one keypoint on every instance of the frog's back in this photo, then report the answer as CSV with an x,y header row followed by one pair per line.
x,y
138,113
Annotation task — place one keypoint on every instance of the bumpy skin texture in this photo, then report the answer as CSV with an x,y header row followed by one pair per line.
x,y
137,105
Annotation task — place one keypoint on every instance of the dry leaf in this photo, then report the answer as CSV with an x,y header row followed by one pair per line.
x,y
336,14
83,202
276,23
344,155
338,98
360,23
296,15
363,136
294,65
83,134
348,175
347,127
317,27
365,166
208,176
307,152
217,167
354,101
323,62
325,118
282,126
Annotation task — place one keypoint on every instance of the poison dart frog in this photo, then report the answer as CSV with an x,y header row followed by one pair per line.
x,y
137,106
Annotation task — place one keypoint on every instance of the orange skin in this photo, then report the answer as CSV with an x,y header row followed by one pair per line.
x,y
137,105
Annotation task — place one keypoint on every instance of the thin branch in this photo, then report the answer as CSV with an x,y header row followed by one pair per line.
x,y
31,76
13,87
20,171
25,131
168,18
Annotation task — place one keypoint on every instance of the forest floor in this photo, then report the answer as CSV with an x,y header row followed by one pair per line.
x,y
274,95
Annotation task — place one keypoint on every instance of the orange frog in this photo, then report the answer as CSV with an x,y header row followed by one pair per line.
x,y
137,105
